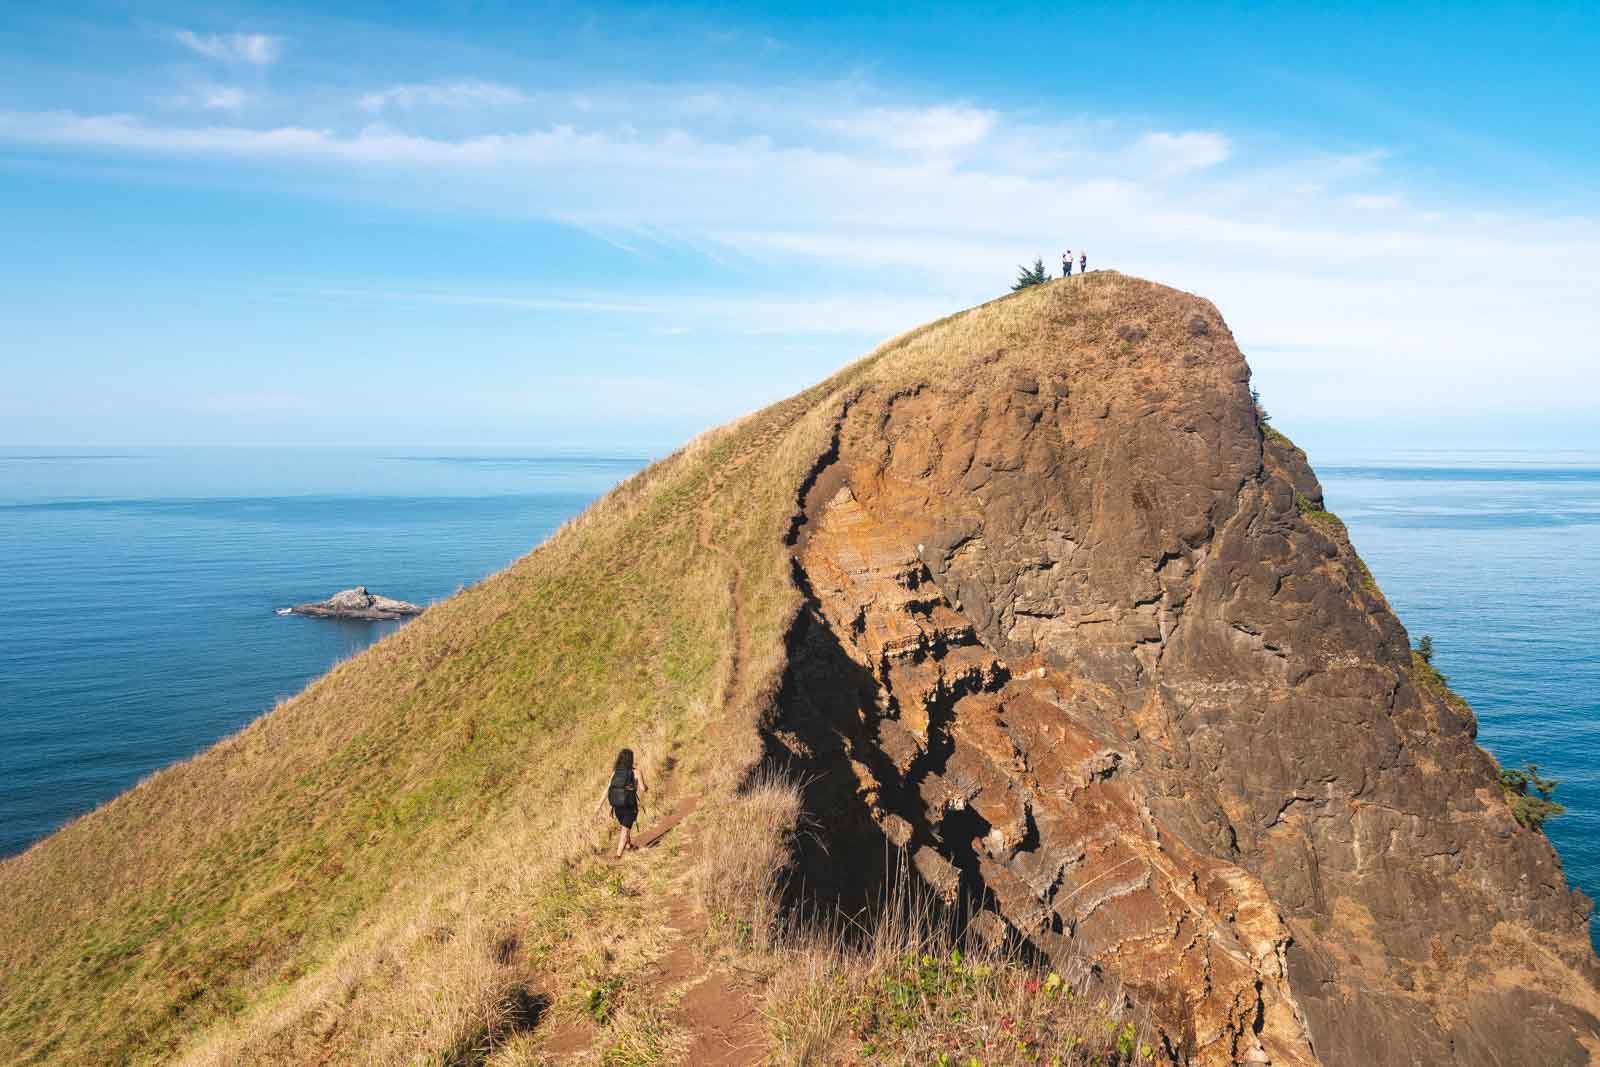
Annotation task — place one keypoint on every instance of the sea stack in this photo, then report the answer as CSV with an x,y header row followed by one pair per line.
x,y
357,603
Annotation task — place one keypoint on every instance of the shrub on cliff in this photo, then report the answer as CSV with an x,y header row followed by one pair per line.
x,y
1432,678
1262,418
1529,795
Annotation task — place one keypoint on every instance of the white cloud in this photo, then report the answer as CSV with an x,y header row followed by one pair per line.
x,y
864,315
469,93
255,49
215,97
934,129
1373,201
1181,153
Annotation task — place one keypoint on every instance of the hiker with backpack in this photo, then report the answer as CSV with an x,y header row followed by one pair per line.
x,y
1083,263
622,793
1066,263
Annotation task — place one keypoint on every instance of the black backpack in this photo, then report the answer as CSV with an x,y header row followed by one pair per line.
x,y
622,793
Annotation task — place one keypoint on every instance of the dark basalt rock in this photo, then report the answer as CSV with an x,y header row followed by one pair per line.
x,y
1095,656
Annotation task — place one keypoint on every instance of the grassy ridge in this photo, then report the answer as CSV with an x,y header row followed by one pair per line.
x,y
348,872
221,878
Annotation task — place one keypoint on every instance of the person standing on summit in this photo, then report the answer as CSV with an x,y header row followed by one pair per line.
x,y
1083,263
1066,263
622,793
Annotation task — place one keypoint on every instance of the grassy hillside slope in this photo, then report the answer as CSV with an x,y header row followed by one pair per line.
x,y
385,866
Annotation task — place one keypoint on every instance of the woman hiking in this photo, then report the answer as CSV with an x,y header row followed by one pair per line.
x,y
622,793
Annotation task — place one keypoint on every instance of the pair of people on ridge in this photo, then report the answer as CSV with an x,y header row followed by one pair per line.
x,y
622,793
1066,263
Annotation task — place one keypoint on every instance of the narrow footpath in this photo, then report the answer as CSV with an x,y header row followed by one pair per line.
x,y
712,1006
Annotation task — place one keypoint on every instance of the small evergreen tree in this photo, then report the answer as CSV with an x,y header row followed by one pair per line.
x,y
1261,413
1425,649
1530,795
1035,275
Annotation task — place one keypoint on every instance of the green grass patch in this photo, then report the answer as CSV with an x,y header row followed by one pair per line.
x,y
1430,678
1321,518
948,1010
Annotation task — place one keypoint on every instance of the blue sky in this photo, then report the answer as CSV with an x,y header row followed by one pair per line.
x,y
476,223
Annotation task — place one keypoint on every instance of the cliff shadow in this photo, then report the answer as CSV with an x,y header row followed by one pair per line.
x,y
850,873
842,857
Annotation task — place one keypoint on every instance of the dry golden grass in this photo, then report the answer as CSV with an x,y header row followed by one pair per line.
x,y
918,996
741,870
905,985
452,974
392,866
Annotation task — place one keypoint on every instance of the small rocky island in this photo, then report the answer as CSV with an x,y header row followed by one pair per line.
x,y
357,603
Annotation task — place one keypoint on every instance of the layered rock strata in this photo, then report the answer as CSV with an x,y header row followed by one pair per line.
x,y
1084,643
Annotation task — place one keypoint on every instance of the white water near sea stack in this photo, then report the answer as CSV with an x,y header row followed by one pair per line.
x,y
141,588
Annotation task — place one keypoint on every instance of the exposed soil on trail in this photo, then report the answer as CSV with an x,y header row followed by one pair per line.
x,y
716,1010
659,832
726,1022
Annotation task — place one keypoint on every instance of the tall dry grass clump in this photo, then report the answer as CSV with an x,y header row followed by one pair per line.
x,y
742,865
914,984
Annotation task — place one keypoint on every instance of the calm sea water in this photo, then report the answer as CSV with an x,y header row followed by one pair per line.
x,y
137,592
137,589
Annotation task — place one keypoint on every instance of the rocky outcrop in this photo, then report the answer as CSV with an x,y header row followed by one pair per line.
x,y
1082,640
357,603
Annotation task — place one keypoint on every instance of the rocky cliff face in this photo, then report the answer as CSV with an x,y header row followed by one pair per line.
x,y
1082,640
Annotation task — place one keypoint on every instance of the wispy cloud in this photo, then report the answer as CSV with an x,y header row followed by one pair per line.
x,y
933,129
1373,201
756,313
255,49
211,97
941,201
458,94
1181,153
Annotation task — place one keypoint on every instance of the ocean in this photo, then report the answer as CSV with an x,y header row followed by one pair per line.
x,y
138,588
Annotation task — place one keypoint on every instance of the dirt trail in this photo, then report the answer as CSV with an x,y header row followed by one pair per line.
x,y
705,537
716,1009
735,586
